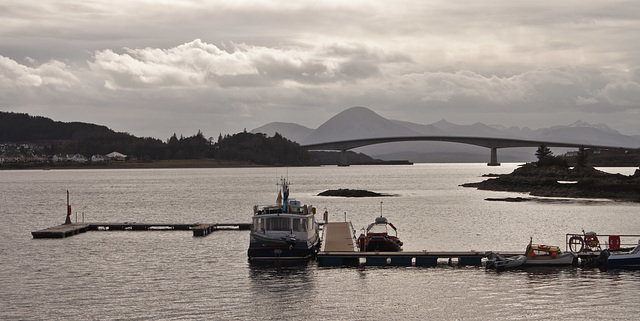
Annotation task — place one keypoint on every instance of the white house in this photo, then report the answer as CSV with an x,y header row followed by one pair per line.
x,y
116,156
97,158
78,158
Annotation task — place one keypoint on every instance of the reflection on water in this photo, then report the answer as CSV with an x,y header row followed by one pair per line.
x,y
173,275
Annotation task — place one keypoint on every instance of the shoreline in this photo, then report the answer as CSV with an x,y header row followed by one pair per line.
x,y
160,164
189,163
559,182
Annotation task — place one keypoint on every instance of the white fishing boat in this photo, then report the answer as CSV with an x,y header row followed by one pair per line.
x,y
286,231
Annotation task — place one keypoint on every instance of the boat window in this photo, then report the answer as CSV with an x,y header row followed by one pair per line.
x,y
257,224
300,224
278,224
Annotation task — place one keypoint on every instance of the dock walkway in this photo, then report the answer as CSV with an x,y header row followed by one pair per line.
x,y
66,230
61,231
339,249
338,237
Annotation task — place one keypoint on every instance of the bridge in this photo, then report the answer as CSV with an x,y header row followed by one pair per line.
x,y
488,142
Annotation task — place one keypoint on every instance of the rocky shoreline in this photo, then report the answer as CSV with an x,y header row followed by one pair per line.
x,y
558,181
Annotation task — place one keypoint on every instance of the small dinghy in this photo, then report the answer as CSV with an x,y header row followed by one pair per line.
x,y
501,263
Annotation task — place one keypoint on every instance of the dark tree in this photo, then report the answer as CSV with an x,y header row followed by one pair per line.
x,y
581,157
543,152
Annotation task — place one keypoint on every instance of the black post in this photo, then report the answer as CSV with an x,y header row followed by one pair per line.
x,y
68,220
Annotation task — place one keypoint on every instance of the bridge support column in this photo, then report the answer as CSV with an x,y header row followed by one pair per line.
x,y
494,157
343,158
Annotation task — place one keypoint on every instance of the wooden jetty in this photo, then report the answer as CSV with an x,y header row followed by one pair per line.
x,y
61,231
339,249
66,230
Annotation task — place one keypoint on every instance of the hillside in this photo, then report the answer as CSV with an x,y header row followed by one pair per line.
x,y
28,139
15,127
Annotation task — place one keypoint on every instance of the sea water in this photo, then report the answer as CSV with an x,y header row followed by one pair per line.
x,y
171,275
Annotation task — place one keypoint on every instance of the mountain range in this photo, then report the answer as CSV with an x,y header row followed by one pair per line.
x,y
362,122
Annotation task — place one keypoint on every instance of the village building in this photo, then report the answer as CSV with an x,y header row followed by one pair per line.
x,y
115,156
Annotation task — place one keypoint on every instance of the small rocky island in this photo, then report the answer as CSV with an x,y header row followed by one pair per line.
x,y
561,181
351,193
551,176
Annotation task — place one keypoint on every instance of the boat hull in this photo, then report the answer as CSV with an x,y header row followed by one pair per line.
x,y
624,261
562,259
500,263
383,245
301,251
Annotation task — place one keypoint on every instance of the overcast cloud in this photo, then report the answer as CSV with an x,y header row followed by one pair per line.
x,y
154,68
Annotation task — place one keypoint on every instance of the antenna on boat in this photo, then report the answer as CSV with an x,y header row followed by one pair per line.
x,y
380,209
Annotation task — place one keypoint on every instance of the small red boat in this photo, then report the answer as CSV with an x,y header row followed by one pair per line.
x,y
377,238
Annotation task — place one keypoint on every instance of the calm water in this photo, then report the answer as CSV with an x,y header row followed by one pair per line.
x,y
165,275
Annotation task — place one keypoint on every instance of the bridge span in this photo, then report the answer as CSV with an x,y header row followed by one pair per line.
x,y
488,142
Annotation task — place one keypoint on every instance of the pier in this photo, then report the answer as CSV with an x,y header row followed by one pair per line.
x,y
339,244
339,249
66,230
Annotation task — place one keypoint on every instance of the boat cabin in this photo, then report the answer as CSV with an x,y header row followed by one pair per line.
x,y
293,207
286,223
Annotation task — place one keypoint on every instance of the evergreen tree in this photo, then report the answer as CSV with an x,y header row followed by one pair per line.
x,y
581,157
543,152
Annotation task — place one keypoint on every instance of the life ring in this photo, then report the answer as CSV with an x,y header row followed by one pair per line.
x,y
592,241
574,242
544,247
614,242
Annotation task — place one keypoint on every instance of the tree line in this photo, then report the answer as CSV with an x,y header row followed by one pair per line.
x,y
90,139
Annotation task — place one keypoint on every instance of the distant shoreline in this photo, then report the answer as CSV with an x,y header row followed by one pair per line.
x,y
189,163
159,164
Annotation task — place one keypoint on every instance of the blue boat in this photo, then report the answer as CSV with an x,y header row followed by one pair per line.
x,y
630,260
286,231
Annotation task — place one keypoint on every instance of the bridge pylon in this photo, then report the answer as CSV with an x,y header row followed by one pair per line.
x,y
343,158
494,157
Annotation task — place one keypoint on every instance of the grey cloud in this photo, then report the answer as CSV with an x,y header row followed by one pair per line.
x,y
131,64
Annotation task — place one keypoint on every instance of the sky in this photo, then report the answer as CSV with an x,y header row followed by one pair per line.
x,y
154,68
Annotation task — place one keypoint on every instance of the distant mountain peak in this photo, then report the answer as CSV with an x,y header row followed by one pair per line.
x,y
291,131
602,127
357,123
443,124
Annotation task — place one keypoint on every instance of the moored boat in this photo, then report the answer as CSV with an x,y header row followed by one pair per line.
x,y
546,255
629,260
500,263
286,231
377,238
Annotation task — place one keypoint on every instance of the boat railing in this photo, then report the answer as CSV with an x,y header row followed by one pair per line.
x,y
590,241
